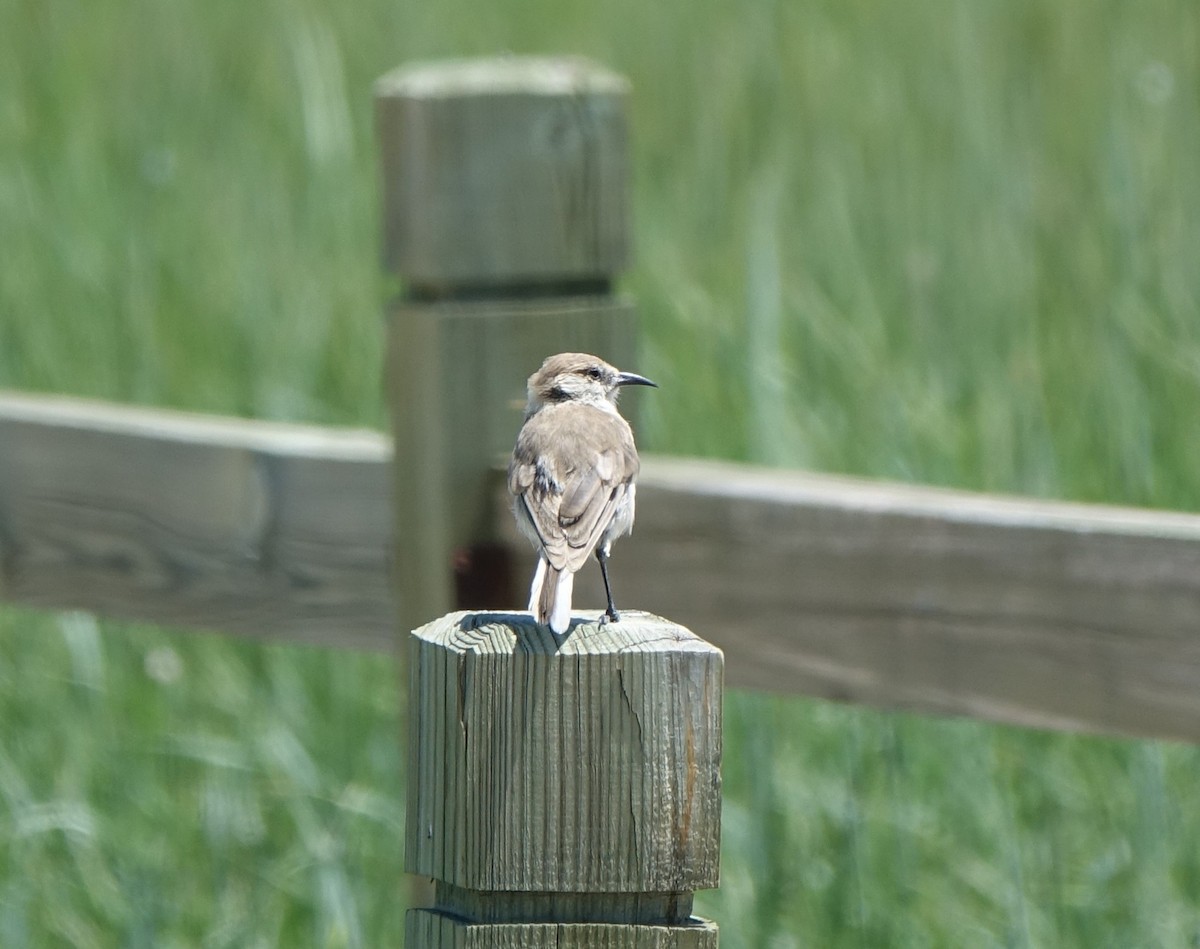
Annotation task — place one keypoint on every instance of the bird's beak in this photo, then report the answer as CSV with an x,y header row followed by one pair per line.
x,y
633,379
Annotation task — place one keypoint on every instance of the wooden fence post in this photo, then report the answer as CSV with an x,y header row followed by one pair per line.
x,y
562,797
505,217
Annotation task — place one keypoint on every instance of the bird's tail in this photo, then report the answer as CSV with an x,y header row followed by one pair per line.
x,y
550,596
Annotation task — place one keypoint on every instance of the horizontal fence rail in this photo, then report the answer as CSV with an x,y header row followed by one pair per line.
x,y
1070,616
1067,616
276,531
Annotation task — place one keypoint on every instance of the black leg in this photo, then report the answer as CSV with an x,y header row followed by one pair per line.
x,y
602,556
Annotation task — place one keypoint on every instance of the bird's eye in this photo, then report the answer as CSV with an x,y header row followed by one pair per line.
x,y
592,372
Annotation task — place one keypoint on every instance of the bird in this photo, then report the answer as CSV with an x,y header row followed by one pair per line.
x,y
573,477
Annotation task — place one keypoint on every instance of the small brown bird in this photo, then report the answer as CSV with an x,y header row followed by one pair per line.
x,y
572,477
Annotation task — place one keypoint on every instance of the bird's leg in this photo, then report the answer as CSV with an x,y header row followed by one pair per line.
x,y
611,613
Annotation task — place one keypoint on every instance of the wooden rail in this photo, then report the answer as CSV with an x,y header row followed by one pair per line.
x,y
1067,616
276,531
1070,616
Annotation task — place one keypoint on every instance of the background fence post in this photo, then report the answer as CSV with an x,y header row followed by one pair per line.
x,y
505,217
562,796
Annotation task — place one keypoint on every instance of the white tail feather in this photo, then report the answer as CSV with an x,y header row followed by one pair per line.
x,y
550,596
560,619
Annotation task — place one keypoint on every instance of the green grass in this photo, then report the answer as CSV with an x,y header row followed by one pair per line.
x,y
947,242
159,790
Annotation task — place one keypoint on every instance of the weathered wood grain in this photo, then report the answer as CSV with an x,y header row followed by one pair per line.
x,y
590,767
275,531
503,171
426,929
567,790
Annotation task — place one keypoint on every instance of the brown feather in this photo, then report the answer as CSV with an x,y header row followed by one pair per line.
x,y
571,488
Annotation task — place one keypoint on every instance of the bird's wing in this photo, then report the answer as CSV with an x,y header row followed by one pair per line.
x,y
571,468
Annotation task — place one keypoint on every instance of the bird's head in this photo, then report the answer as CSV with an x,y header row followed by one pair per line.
x,y
578,377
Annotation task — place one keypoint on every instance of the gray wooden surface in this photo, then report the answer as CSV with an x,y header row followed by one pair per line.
x,y
505,170
1080,617
275,531
565,787
431,930
590,767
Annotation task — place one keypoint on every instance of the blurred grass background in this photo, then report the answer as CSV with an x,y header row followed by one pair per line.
x,y
947,242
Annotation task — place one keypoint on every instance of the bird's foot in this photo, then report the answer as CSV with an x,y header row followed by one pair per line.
x,y
610,616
